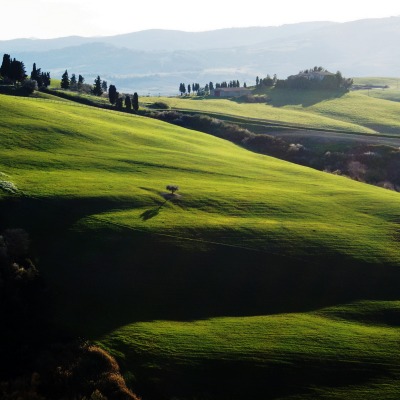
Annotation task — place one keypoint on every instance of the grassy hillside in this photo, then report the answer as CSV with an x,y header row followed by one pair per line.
x,y
228,195
347,112
335,353
248,237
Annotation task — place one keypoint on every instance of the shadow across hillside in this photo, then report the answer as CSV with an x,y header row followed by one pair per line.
x,y
305,98
107,277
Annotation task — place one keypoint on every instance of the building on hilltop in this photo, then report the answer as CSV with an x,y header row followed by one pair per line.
x,y
312,75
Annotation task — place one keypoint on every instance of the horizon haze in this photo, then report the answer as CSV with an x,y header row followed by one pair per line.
x,y
156,61
46,19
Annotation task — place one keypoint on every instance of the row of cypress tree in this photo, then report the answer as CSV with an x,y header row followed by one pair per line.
x,y
130,103
14,71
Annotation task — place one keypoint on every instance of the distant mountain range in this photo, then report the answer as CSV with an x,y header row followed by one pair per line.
x,y
156,61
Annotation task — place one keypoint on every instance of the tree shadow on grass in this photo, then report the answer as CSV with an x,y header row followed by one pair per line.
x,y
152,212
148,214
302,97
293,97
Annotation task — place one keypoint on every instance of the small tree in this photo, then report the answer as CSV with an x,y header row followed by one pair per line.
x,y
29,86
135,101
17,71
34,73
112,94
128,102
65,80
97,90
104,86
73,82
182,88
118,102
45,79
172,188
5,68
81,79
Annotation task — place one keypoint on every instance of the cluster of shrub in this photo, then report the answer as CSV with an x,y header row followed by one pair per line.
x,y
36,361
374,164
12,72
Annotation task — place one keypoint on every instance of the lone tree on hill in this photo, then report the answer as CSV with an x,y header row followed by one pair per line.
x,y
65,80
172,188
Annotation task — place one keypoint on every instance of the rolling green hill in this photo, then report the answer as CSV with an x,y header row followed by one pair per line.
x,y
322,354
227,282
353,112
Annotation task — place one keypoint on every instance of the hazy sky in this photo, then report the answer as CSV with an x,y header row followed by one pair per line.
x,y
56,18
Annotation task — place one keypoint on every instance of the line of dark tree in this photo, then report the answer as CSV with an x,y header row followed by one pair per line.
x,y
190,88
131,103
78,85
267,81
230,84
120,101
208,87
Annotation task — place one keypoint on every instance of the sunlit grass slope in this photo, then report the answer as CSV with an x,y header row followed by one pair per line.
x,y
229,195
344,352
348,112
